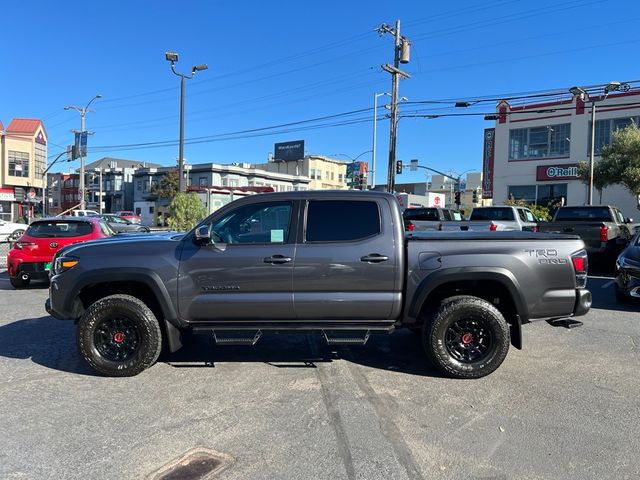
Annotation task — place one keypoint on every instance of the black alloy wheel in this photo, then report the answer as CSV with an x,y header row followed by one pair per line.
x,y
469,340
116,338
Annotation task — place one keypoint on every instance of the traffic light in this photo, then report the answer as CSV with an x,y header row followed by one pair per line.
x,y
475,196
457,197
398,167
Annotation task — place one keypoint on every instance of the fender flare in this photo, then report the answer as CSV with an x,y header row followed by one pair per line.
x,y
460,274
127,274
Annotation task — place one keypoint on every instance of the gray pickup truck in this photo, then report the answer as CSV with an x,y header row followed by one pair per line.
x,y
337,263
603,228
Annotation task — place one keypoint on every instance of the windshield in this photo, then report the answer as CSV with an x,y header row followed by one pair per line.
x,y
496,213
59,229
421,214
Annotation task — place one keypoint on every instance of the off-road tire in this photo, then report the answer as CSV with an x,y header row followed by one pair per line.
x,y
17,282
146,329
490,326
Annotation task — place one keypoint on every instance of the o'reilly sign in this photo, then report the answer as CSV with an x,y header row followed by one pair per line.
x,y
288,151
557,172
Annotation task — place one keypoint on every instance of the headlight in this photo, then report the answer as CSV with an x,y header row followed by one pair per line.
x,y
62,264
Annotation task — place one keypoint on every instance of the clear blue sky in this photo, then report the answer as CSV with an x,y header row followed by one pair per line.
x,y
272,63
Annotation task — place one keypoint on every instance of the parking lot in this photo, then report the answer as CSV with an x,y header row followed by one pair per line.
x,y
566,406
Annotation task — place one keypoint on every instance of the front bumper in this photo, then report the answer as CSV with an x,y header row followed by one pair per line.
x,y
583,302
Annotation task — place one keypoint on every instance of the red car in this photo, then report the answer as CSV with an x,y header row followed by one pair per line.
x,y
30,258
129,215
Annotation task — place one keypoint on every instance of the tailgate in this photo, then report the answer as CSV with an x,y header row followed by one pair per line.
x,y
589,232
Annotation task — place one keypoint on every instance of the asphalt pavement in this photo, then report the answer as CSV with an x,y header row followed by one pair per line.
x,y
565,407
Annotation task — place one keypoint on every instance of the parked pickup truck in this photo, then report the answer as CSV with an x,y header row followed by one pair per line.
x,y
603,228
331,262
496,218
428,218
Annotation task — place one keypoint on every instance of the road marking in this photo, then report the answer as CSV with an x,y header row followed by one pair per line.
x,y
608,284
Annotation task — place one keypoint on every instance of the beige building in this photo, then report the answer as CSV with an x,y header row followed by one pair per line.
x,y
23,160
324,173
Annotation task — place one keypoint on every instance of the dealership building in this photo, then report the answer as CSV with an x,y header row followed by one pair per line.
x,y
533,151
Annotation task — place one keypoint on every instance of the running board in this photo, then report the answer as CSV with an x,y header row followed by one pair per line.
x,y
237,338
355,337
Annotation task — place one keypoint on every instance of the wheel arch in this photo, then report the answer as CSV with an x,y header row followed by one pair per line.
x,y
142,284
498,286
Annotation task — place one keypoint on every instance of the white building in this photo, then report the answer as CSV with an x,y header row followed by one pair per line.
x,y
533,151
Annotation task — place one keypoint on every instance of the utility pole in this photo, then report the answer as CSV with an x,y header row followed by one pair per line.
x,y
82,149
400,55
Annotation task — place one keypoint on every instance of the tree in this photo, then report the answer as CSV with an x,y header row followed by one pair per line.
x,y
186,211
168,185
620,163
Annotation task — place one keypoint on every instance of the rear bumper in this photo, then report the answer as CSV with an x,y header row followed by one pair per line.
x,y
583,302
35,270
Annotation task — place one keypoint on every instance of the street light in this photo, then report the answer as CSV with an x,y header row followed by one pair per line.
x,y
583,95
82,111
173,58
373,148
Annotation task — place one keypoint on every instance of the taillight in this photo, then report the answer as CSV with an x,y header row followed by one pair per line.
x,y
493,227
580,266
21,245
604,233
410,227
535,229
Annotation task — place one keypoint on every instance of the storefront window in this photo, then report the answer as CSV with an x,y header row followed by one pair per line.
x,y
605,129
545,195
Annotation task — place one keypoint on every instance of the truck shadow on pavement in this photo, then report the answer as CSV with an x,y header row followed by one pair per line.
x,y
51,344
400,351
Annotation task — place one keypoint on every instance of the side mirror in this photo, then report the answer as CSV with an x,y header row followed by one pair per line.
x,y
628,220
203,235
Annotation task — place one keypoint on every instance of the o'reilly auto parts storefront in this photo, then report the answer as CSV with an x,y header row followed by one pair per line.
x,y
533,151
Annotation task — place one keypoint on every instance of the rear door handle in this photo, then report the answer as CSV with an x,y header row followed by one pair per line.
x,y
374,258
277,259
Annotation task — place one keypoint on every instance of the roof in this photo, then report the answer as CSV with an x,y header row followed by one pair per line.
x,y
110,162
1,126
24,125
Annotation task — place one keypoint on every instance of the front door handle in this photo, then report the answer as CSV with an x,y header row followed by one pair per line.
x,y
374,258
277,259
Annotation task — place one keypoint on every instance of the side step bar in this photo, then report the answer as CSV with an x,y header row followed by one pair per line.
x,y
355,337
237,338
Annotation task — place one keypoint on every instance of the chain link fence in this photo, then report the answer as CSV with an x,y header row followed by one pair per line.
x,y
4,250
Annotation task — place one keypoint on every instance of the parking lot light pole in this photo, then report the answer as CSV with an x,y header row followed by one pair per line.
x,y
173,58
82,111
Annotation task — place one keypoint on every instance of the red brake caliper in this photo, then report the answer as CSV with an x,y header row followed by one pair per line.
x,y
118,337
467,338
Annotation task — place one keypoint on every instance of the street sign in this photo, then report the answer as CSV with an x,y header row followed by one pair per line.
x,y
413,166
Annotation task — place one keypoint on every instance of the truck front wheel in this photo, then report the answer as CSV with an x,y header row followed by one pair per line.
x,y
467,337
119,336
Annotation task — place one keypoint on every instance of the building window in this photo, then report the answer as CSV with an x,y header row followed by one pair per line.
x,y
539,142
332,176
41,159
605,129
139,185
341,178
316,174
544,195
233,182
202,181
18,164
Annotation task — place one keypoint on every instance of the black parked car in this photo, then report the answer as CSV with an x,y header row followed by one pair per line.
x,y
628,270
121,225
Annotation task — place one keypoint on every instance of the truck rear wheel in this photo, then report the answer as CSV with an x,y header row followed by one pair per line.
x,y
119,336
467,337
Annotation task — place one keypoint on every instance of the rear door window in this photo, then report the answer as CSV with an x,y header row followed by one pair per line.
x,y
336,220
